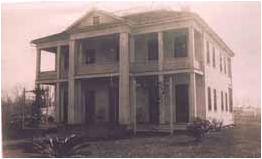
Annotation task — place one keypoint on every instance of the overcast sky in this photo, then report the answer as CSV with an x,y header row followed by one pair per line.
x,y
237,23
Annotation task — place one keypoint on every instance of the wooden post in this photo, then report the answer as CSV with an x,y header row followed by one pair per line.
x,y
124,110
71,82
161,77
134,103
58,63
38,63
192,98
171,105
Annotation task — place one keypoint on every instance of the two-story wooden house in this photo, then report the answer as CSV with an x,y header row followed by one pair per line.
x,y
159,67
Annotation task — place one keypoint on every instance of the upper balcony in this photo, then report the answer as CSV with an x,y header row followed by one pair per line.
x,y
100,55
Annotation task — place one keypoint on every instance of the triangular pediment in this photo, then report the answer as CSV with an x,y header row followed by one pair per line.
x,y
88,19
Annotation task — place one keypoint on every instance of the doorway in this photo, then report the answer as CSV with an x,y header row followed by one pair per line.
x,y
90,106
182,103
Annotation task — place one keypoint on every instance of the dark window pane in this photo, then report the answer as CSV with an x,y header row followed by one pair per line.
x,y
90,56
222,101
226,102
152,49
209,98
208,55
214,57
215,99
96,20
181,46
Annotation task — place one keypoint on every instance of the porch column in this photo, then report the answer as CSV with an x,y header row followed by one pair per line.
x,y
192,99
58,103
171,105
38,63
71,82
58,63
133,107
191,38
124,114
161,77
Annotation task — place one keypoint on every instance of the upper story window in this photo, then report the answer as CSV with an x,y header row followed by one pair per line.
x,y
208,54
96,20
209,98
214,57
152,46
90,56
221,62
229,67
225,65
215,99
181,45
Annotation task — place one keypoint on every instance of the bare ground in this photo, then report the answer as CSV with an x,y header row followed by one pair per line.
x,y
241,141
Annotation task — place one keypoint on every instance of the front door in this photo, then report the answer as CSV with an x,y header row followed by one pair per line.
x,y
182,103
90,106
113,105
153,105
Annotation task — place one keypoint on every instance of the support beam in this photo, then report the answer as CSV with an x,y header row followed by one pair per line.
x,y
58,63
38,62
191,46
161,77
171,105
124,115
192,99
58,102
134,104
71,82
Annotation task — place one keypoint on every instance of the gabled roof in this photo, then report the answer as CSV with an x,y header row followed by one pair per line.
x,y
90,13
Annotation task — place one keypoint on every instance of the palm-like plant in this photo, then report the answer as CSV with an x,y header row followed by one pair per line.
x,y
59,148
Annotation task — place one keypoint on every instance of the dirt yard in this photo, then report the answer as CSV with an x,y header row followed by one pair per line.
x,y
241,141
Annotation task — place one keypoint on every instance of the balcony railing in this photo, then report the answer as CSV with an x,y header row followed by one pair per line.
x,y
47,75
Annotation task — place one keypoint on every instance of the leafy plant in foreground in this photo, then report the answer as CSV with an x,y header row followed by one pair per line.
x,y
59,148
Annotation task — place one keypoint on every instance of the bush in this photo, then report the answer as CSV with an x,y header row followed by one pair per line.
x,y
59,148
199,127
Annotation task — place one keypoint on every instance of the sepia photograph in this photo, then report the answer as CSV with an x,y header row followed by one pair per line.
x,y
131,79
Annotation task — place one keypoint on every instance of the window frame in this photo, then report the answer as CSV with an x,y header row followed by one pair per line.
x,y
96,20
215,99
209,98
208,52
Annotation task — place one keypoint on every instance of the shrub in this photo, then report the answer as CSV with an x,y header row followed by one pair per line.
x,y
59,148
199,127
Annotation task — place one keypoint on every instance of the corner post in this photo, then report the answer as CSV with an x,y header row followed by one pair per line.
x,y
71,82
161,77
38,63
124,114
192,99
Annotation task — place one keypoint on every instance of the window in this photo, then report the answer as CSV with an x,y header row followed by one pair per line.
x,y
226,102
181,46
90,56
229,67
222,101
225,65
209,98
230,100
208,55
221,62
152,49
215,100
96,20
214,58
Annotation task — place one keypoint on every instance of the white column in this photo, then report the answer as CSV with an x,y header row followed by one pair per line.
x,y
58,102
124,115
38,62
191,46
161,78
58,63
71,82
192,99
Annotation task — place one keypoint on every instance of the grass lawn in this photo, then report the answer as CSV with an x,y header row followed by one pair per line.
x,y
241,141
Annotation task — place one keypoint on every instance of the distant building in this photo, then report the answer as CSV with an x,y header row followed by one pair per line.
x,y
158,67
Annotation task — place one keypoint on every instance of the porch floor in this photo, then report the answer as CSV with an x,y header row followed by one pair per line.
x,y
160,127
